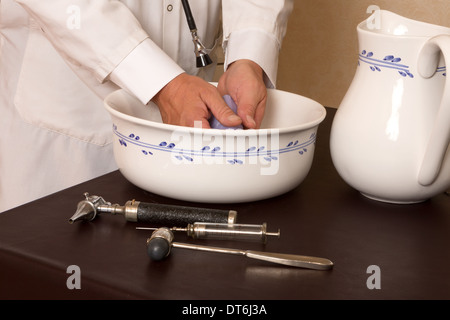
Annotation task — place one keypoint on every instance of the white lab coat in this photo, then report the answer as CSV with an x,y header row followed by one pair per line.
x,y
60,58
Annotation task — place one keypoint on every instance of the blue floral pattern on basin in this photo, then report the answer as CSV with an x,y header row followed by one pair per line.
x,y
234,158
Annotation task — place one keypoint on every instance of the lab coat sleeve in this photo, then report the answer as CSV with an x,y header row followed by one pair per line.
x,y
145,71
97,36
254,30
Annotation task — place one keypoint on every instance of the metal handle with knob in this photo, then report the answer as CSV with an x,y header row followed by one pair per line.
x,y
160,243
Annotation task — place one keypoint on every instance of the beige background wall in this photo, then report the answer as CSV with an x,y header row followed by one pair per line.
x,y
319,54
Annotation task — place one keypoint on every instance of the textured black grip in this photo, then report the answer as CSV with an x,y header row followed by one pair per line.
x,y
173,216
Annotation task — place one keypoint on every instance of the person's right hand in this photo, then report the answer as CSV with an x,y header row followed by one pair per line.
x,y
187,99
244,82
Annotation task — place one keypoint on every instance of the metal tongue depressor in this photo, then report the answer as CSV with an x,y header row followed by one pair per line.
x,y
160,243
163,214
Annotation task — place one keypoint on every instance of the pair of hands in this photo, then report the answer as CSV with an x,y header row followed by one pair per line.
x,y
187,99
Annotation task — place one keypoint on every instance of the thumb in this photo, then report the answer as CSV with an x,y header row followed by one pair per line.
x,y
247,110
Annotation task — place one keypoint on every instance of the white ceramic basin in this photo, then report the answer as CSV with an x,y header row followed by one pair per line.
x,y
212,165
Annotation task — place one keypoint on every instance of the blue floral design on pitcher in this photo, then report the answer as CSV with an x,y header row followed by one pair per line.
x,y
389,61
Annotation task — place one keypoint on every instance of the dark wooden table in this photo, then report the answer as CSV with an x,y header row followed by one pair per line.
x,y
323,217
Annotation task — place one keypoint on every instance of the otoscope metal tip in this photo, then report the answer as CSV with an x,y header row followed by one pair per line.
x,y
85,211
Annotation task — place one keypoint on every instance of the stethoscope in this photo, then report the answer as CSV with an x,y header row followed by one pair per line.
x,y
201,55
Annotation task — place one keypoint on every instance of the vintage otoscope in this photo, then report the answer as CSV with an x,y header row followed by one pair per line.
x,y
155,213
161,241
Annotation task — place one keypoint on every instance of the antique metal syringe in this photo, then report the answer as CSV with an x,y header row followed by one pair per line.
x,y
224,231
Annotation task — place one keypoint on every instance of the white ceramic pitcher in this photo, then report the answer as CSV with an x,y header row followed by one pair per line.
x,y
390,136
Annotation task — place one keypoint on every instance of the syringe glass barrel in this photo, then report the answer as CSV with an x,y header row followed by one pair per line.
x,y
225,231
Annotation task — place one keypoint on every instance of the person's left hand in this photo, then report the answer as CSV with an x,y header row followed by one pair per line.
x,y
243,81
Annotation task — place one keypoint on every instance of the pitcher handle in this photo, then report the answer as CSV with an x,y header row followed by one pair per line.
x,y
440,135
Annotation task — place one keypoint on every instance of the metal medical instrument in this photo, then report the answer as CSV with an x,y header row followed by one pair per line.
x,y
224,231
155,213
202,56
160,243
